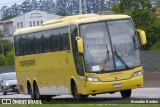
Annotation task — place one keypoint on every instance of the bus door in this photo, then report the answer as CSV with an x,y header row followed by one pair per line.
x,y
80,81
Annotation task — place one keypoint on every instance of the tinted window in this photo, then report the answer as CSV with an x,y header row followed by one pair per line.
x,y
65,39
46,41
43,42
16,45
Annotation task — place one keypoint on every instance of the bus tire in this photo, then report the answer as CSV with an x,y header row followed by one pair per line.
x,y
126,93
36,92
30,91
76,95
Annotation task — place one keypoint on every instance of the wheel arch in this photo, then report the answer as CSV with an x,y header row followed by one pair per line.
x,y
28,87
72,83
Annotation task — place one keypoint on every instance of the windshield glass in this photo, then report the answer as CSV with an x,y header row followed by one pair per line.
x,y
125,43
102,39
9,77
98,54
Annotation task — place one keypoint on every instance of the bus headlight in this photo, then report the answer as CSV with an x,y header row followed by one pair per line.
x,y
137,73
93,79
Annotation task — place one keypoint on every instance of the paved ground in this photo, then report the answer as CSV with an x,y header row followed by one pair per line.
x,y
136,93
152,80
141,94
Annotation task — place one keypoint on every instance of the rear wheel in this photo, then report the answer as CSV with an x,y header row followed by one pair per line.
x,y
30,91
36,92
3,91
126,93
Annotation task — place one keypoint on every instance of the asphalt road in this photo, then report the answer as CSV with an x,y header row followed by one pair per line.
x,y
136,93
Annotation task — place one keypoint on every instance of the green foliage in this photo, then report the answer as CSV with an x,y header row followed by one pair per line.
x,y
62,13
6,45
158,4
115,8
127,6
141,13
7,17
2,60
9,58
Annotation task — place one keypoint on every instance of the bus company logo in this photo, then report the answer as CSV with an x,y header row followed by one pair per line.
x,y
27,63
20,101
6,101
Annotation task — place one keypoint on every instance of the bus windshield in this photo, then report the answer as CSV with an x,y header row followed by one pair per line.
x,y
110,45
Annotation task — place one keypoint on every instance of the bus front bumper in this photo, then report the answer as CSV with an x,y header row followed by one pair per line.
x,y
108,87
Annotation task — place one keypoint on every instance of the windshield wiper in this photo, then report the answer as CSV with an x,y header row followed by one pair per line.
x,y
119,57
107,54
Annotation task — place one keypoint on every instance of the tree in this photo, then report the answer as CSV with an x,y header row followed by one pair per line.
x,y
2,60
26,6
127,6
141,13
61,13
61,6
9,60
158,4
4,11
6,45
115,8
15,10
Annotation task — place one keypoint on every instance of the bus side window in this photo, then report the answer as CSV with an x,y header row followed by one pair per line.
x,y
53,40
65,39
31,51
77,57
27,46
57,39
43,43
17,45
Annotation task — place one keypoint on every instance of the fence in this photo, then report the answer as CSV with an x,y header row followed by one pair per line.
x,y
151,61
6,69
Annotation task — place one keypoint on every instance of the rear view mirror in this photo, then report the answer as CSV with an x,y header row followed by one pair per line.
x,y
80,44
142,36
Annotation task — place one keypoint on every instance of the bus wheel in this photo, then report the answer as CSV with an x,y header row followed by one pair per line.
x,y
30,92
36,92
76,95
126,93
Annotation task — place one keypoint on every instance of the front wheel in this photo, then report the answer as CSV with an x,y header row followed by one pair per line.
x,y
76,95
3,91
126,93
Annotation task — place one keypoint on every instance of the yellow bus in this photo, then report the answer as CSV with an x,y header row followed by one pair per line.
x,y
79,55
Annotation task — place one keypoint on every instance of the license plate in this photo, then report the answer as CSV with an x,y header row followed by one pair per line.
x,y
117,85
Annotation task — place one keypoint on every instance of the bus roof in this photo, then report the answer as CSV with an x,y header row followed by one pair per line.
x,y
99,18
76,19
